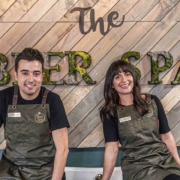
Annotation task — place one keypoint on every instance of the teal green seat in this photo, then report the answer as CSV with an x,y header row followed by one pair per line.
x,y
1,151
85,157
88,157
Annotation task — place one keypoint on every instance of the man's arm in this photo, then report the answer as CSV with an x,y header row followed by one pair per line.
x,y
110,156
60,137
168,139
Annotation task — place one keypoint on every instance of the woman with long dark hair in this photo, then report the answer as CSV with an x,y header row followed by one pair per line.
x,y
139,123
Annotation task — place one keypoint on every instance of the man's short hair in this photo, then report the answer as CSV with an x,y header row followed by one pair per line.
x,y
29,54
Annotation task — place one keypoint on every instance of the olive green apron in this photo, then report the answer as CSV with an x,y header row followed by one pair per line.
x,y
145,156
30,150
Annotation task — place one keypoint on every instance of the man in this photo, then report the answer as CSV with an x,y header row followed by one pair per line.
x,y
35,125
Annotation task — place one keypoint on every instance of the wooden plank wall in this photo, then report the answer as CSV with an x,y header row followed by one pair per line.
x,y
49,26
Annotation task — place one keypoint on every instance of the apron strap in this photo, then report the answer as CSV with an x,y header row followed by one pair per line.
x,y
44,97
148,98
15,96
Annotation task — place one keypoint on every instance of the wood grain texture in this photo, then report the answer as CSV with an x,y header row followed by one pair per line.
x,y
122,7
174,14
2,134
13,36
59,10
140,10
160,10
5,5
93,138
37,11
37,32
17,10
174,115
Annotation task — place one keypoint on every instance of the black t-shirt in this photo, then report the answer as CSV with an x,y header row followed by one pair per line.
x,y
110,127
58,117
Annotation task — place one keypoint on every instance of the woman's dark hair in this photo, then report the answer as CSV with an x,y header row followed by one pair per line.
x,y
112,99
29,54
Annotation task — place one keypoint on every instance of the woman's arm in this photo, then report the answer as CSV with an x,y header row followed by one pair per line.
x,y
164,130
168,139
110,155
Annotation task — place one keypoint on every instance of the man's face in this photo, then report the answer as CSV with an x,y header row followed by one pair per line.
x,y
29,77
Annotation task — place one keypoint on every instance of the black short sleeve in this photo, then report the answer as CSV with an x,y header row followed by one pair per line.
x,y
110,129
163,122
58,118
6,96
1,109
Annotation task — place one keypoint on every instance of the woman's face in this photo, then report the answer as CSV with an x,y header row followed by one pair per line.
x,y
123,83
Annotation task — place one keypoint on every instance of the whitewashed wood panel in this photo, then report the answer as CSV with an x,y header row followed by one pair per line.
x,y
140,10
4,5
93,138
37,32
2,134
122,7
13,36
101,144
85,127
176,133
4,28
160,91
101,9
173,15
160,10
37,11
58,10
53,36
17,11
95,98
147,42
171,96
173,116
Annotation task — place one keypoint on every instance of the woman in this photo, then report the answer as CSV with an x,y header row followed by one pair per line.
x,y
139,123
